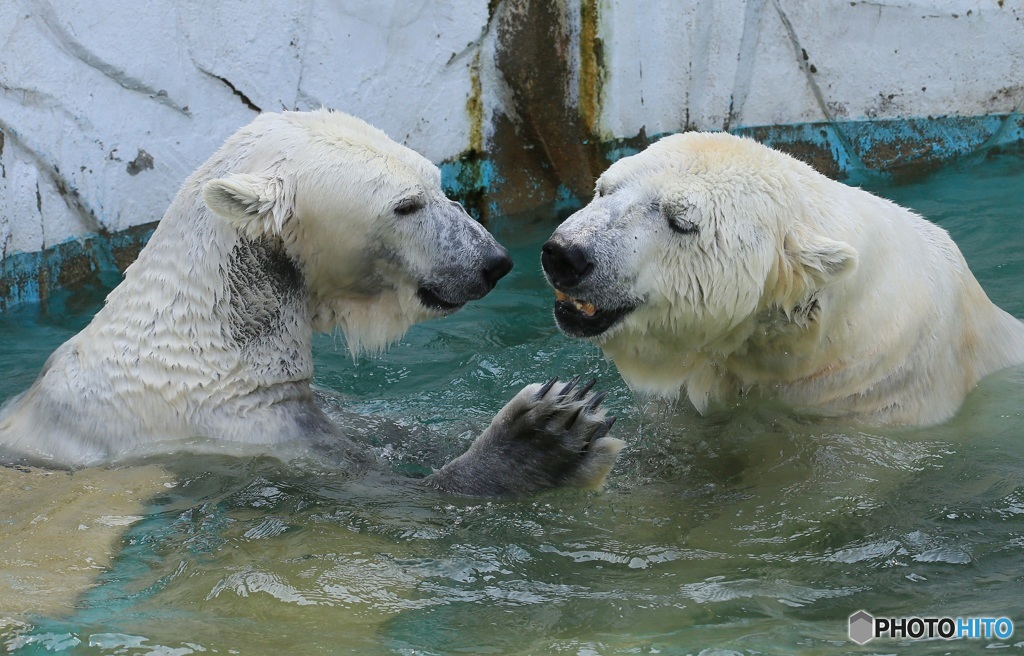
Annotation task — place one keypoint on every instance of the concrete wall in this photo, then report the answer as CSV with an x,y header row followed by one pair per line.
x,y
105,107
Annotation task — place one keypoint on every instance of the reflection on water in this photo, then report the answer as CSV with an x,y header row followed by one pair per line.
x,y
749,531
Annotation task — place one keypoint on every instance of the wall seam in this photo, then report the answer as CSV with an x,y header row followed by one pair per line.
x,y
752,18
819,97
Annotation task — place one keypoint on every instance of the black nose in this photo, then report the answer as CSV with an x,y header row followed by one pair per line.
x,y
566,266
496,266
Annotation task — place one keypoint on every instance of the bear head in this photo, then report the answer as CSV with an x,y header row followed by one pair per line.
x,y
378,245
684,250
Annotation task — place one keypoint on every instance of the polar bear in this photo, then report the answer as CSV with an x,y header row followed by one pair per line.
x,y
712,266
302,221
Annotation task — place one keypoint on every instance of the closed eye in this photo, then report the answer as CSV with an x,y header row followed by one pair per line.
x,y
408,206
676,222
682,226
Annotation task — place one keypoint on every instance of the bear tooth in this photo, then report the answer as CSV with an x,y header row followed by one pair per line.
x,y
560,296
587,308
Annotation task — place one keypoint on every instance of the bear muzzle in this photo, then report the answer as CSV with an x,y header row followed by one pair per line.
x,y
450,295
568,267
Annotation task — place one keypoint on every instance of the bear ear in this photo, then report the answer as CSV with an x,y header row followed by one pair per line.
x,y
821,260
256,205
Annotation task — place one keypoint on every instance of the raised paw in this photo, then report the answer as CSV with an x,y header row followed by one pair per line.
x,y
549,435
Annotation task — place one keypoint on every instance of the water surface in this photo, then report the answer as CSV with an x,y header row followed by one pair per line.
x,y
751,531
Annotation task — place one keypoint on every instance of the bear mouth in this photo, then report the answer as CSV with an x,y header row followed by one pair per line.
x,y
433,301
578,318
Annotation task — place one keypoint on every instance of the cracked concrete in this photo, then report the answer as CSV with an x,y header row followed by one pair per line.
x,y
526,101
54,184
69,44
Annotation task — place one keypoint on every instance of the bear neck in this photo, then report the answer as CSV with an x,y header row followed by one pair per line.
x,y
230,311
267,306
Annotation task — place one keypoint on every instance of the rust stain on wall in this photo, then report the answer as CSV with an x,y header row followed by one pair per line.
x,y
591,73
71,265
820,155
475,108
887,154
545,140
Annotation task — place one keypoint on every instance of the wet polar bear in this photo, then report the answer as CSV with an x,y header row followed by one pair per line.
x,y
300,222
714,266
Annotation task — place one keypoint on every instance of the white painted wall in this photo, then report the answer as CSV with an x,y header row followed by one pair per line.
x,y
85,85
741,62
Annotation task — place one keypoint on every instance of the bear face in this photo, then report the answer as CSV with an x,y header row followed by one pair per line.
x,y
681,248
714,266
379,245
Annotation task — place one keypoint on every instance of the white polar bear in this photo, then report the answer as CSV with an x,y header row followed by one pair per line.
x,y
714,266
300,222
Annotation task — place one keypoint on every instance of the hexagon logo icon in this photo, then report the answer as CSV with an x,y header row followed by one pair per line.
x,y
862,627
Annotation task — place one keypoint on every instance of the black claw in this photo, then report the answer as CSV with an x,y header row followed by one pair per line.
x,y
569,385
546,388
596,401
603,429
572,420
582,392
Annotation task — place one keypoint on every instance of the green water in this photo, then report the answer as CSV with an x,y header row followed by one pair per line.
x,y
752,532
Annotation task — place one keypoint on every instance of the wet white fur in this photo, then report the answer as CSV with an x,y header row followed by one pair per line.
x,y
158,361
796,287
